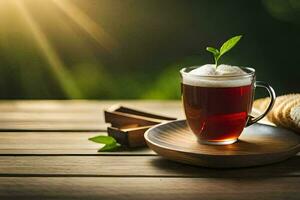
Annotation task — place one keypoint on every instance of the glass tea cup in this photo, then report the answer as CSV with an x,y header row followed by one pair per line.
x,y
218,108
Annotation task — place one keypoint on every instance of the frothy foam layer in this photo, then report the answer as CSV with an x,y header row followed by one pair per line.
x,y
221,70
218,76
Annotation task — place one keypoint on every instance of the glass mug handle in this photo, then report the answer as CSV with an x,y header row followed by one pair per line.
x,y
272,95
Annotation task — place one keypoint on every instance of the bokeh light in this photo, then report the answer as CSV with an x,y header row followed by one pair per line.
x,y
128,49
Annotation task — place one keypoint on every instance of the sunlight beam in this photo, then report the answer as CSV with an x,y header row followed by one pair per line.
x,y
56,65
87,24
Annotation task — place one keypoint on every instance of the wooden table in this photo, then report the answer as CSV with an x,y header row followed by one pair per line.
x,y
45,154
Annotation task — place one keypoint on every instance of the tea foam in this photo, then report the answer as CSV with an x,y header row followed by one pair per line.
x,y
217,76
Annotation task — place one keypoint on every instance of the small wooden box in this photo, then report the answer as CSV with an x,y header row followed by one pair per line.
x,y
129,125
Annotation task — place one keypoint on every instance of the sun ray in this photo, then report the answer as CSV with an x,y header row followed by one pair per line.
x,y
56,65
87,24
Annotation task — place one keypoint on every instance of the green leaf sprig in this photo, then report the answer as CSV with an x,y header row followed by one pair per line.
x,y
110,142
229,44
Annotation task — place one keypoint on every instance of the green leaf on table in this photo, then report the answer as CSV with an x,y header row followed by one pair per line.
x,y
102,139
110,144
110,147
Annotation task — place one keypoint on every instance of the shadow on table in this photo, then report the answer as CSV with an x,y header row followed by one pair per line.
x,y
289,167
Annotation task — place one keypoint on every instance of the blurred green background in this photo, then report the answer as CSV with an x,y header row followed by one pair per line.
x,y
133,49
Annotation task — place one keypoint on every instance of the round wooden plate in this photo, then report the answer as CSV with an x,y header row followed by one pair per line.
x,y
259,144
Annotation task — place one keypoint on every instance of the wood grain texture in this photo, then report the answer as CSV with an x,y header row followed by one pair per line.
x,y
65,165
47,116
132,166
131,137
55,143
71,115
148,188
129,125
84,105
259,144
122,109
51,126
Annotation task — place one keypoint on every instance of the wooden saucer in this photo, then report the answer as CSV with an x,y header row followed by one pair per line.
x,y
259,144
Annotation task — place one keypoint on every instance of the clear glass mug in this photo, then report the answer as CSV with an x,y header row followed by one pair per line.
x,y
218,108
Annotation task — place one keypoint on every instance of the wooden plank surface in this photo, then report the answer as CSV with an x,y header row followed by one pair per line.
x,y
71,115
132,166
148,188
53,159
57,143
51,126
